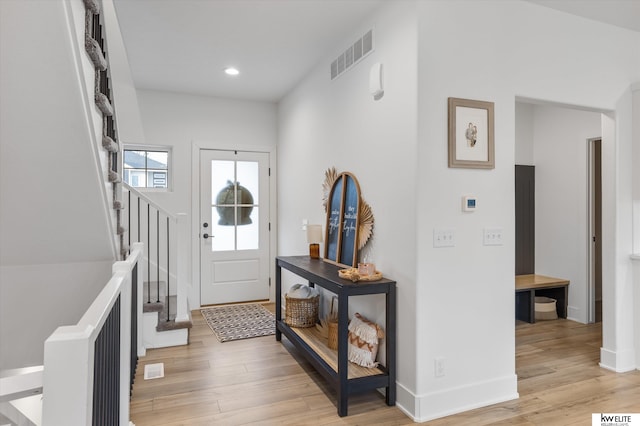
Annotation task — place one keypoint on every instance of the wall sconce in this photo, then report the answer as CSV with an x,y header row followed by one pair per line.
x,y
314,237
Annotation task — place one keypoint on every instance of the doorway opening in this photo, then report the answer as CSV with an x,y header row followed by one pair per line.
x,y
595,230
552,139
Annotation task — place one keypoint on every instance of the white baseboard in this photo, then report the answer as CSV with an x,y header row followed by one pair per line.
x,y
406,401
456,400
620,361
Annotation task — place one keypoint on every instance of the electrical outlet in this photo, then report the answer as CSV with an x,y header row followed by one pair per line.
x,y
444,238
305,222
438,367
492,237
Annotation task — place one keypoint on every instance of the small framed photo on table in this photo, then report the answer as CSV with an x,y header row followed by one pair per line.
x,y
471,142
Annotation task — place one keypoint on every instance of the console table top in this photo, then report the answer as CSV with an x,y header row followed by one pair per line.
x,y
533,281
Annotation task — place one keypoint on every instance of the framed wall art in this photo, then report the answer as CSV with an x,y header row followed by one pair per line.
x,y
349,219
471,143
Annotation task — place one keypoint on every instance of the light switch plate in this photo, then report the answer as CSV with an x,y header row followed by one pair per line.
x,y
492,237
444,238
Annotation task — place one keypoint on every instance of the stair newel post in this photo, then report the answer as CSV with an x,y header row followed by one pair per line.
x,y
168,291
158,253
149,253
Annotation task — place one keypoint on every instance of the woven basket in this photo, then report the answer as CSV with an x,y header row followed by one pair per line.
x,y
301,313
545,308
332,340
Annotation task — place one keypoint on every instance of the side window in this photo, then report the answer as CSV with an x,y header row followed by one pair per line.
x,y
147,167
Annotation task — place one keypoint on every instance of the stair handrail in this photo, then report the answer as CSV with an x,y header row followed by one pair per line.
x,y
69,388
20,382
149,201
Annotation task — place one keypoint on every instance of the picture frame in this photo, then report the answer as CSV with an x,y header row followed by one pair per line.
x,y
471,139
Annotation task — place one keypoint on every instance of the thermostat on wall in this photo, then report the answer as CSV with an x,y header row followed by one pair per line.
x,y
469,203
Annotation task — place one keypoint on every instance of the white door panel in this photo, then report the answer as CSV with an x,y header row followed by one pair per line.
x,y
240,270
234,243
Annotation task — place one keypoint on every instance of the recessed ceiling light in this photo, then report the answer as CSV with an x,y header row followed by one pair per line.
x,y
231,71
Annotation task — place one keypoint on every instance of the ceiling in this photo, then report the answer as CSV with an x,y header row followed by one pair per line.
x,y
184,45
621,13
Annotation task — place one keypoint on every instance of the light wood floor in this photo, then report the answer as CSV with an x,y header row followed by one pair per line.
x,y
264,382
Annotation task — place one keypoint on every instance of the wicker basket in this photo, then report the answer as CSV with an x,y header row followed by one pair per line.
x,y
301,313
332,339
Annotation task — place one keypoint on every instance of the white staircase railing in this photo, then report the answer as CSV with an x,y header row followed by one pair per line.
x,y
89,367
145,221
21,396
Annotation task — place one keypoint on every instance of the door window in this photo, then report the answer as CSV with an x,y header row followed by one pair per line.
x,y
235,205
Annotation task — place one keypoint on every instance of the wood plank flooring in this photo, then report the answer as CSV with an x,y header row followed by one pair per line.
x,y
263,382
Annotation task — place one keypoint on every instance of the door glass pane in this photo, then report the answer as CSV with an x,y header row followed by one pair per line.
x,y
248,235
223,197
222,174
234,199
222,236
247,172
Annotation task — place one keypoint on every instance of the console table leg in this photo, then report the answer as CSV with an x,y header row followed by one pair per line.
x,y
532,306
278,301
390,309
342,403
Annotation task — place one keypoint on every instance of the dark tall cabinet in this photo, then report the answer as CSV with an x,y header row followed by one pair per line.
x,y
525,220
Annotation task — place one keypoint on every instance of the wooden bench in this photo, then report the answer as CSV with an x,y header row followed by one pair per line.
x,y
532,285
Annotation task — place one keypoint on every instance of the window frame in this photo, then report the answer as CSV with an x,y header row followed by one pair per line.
x,y
146,149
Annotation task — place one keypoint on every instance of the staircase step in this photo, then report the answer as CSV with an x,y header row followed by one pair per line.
x,y
160,307
152,301
164,325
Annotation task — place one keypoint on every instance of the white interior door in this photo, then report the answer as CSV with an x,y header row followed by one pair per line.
x,y
234,226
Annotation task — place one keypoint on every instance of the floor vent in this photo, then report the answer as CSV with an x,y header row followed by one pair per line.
x,y
354,53
154,371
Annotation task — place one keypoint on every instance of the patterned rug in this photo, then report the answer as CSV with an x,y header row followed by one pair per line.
x,y
235,322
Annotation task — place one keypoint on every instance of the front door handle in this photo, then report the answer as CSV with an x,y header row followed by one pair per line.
x,y
205,236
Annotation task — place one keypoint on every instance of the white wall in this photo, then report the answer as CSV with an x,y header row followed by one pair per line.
x,y
46,144
56,244
636,170
126,106
36,299
495,51
325,123
524,134
562,216
179,121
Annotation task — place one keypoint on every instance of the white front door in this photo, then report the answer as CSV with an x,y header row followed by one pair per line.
x,y
234,226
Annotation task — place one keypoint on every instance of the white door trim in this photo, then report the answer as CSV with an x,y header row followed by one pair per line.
x,y
196,146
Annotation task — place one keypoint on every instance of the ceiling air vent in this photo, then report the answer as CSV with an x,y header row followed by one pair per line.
x,y
354,53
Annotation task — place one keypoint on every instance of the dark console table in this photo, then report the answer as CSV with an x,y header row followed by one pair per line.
x,y
345,377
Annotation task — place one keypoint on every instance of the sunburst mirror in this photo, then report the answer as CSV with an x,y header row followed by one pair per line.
x,y
349,222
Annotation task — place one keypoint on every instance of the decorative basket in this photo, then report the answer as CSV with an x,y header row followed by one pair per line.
x,y
332,340
301,313
545,308
332,325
